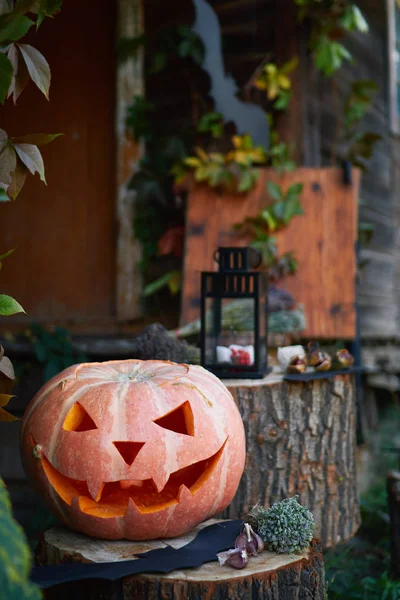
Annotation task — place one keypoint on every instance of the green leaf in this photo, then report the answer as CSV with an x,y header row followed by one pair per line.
x,y
8,162
15,563
13,27
290,66
20,77
278,210
159,60
292,209
9,306
3,195
354,20
48,8
6,74
294,190
129,46
37,66
175,282
37,139
3,256
329,55
52,368
31,158
269,218
283,100
247,181
6,6
275,190
365,232
158,284
17,180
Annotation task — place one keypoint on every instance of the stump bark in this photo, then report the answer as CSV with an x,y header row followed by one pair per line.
x,y
393,488
301,439
268,577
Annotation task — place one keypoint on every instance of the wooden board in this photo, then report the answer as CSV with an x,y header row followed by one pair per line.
x,y
323,241
64,264
270,575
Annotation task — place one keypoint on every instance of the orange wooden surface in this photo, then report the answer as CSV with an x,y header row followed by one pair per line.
x,y
64,264
323,241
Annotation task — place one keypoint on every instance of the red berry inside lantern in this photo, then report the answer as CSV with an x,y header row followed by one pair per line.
x,y
240,357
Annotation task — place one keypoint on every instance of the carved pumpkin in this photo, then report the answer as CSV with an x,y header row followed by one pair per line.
x,y
134,449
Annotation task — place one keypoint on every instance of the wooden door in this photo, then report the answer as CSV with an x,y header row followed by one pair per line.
x,y
63,269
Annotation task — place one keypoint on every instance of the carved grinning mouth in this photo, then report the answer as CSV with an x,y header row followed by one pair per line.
x,y
114,497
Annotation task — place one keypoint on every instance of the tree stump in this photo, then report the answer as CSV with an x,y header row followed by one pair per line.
x,y
393,488
301,439
269,576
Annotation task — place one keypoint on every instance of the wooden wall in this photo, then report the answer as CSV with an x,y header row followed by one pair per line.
x,y
64,264
248,35
321,99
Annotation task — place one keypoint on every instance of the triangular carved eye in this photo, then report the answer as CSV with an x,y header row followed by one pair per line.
x,y
179,420
129,450
78,419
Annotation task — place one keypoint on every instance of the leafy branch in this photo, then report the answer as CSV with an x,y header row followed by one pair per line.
x,y
276,83
233,170
21,155
330,21
359,145
272,219
19,63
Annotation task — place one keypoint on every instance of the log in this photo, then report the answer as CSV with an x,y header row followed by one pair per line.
x,y
269,576
393,489
301,439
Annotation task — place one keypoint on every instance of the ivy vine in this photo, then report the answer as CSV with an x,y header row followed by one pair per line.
x,y
230,163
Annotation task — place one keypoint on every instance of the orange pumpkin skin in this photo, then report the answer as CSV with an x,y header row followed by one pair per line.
x,y
134,449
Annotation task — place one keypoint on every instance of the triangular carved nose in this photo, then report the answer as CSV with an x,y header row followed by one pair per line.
x,y
129,450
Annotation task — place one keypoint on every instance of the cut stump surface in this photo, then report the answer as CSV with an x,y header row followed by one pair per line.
x,y
269,576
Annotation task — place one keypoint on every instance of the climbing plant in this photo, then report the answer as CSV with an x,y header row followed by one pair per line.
x,y
209,153
19,63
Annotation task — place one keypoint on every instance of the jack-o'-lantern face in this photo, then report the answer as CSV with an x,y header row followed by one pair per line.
x,y
134,449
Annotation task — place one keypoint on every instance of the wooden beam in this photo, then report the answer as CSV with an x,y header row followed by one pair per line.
x,y
130,83
288,44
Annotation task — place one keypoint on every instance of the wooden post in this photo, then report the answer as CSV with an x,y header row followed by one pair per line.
x,y
301,439
289,45
270,575
393,489
130,83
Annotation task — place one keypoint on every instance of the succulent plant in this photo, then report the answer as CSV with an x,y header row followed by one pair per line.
x,y
286,527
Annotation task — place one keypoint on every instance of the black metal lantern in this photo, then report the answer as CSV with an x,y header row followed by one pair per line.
x,y
234,302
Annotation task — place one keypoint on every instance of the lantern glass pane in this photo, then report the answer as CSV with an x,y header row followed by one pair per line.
x,y
229,331
263,317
